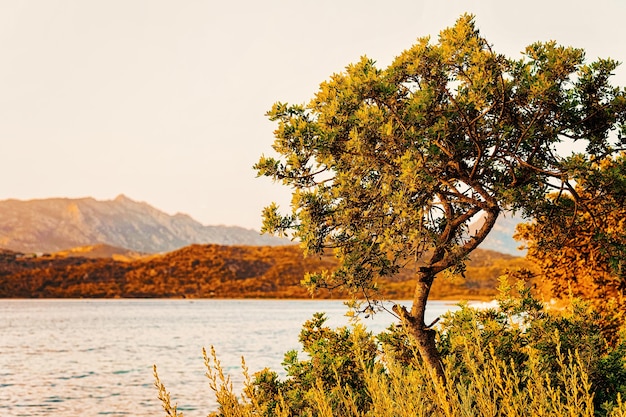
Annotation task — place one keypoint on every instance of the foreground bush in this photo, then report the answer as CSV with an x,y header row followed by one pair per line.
x,y
519,359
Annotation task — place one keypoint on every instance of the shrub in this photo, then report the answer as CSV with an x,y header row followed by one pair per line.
x,y
517,359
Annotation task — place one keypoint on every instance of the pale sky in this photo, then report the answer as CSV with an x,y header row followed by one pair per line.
x,y
164,100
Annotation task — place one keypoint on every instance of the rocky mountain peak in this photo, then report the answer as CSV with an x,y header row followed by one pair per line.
x,y
500,238
56,224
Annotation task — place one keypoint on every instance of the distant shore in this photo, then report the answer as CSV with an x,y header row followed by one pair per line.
x,y
223,272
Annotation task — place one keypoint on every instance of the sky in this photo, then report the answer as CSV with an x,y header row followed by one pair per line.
x,y
164,101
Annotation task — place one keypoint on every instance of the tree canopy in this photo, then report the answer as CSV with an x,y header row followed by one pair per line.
x,y
579,246
389,166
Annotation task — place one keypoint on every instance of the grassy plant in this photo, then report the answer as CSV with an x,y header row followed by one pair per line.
x,y
486,386
164,396
517,360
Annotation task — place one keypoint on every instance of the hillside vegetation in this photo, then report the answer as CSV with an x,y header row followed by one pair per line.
x,y
204,271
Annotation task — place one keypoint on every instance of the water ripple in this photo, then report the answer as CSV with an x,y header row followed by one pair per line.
x,y
95,357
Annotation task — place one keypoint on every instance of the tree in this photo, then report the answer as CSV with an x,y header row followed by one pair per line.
x,y
580,246
388,166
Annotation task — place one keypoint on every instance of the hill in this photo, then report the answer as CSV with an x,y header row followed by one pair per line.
x,y
56,224
100,250
204,271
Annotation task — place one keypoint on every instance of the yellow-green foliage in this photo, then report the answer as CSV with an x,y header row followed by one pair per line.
x,y
519,359
494,389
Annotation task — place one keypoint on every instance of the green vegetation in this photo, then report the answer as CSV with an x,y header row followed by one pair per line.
x,y
519,359
580,249
390,166
387,169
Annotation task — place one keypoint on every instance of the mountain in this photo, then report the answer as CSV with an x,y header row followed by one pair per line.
x,y
500,239
56,224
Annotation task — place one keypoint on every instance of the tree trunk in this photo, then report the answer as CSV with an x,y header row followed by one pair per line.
x,y
414,322
428,350
439,261
424,335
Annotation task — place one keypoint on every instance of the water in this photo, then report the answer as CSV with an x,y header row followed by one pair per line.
x,y
95,357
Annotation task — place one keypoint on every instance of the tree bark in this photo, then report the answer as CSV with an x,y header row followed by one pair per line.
x,y
414,322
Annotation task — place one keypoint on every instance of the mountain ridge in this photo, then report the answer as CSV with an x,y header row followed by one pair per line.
x,y
57,224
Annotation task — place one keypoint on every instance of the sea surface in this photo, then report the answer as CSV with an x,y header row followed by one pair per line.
x,y
96,357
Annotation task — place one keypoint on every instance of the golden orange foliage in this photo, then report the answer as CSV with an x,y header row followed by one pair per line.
x,y
580,249
204,271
